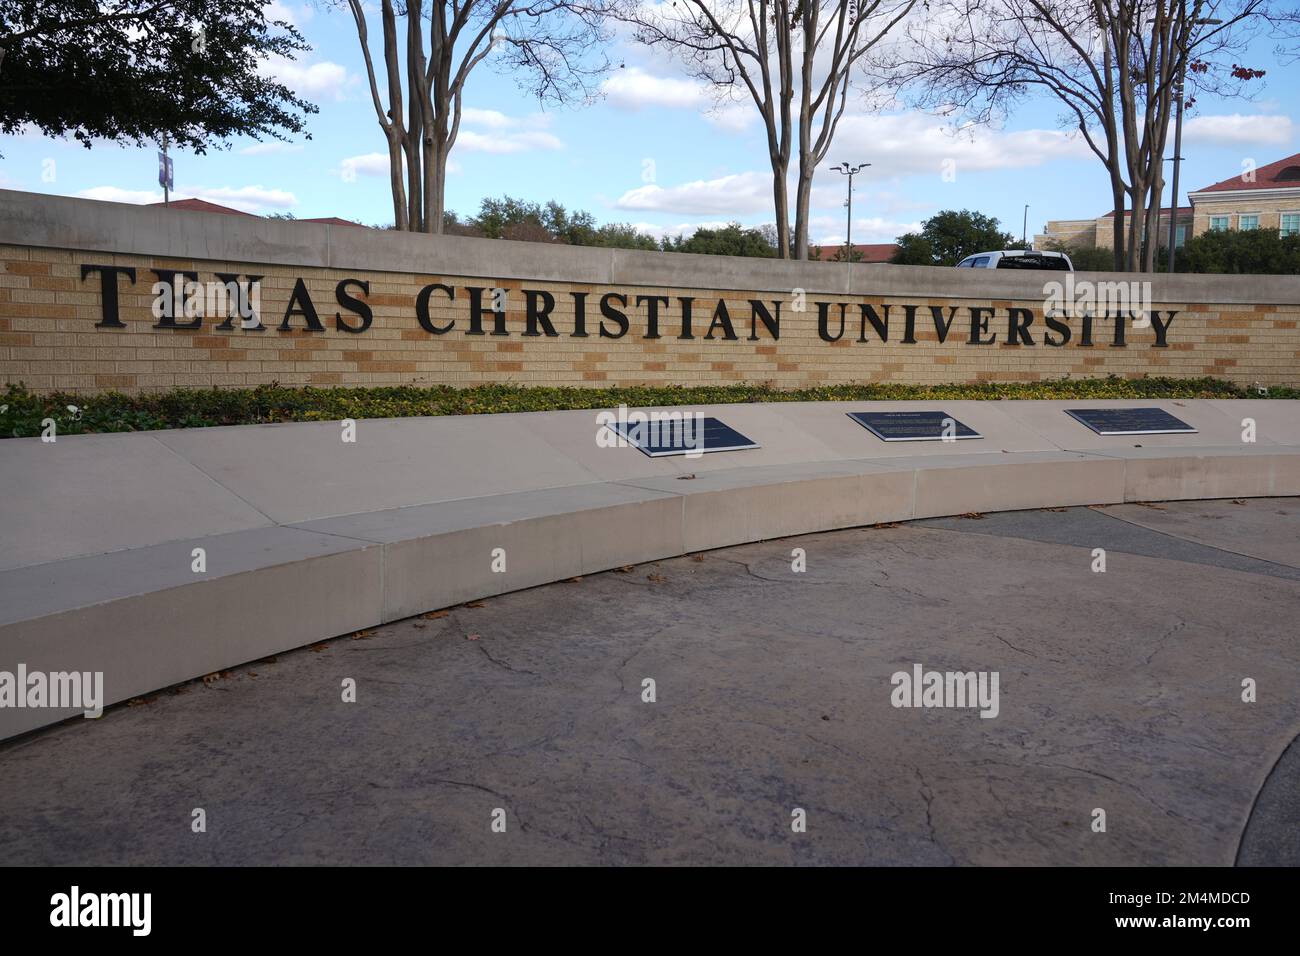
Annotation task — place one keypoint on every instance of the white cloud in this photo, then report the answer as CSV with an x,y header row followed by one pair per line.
x,y
375,164
736,195
139,197
295,16
498,132
1236,128
495,119
251,199
681,229
829,230
521,142
915,144
492,119
313,80
896,145
271,148
369,164
254,199
635,89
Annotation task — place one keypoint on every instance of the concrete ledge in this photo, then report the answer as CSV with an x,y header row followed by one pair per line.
x,y
306,538
61,222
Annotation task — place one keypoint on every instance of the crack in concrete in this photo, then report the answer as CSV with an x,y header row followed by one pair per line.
x,y
503,664
1022,650
1160,642
750,571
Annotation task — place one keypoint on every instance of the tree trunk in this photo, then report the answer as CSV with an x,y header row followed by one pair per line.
x,y
400,220
802,201
781,206
1117,222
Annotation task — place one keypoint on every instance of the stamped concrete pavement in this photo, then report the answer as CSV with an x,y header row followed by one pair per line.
x,y
1119,691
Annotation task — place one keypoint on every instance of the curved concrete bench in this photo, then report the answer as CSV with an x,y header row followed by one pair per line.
x,y
306,537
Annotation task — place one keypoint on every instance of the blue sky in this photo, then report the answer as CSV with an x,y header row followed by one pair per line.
x,y
651,152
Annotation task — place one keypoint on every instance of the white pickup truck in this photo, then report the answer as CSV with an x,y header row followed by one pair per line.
x,y
1018,259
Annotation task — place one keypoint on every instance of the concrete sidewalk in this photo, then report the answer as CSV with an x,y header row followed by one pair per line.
x,y
1118,690
306,536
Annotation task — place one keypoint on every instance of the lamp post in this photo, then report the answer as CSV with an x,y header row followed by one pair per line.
x,y
850,171
1024,229
1178,131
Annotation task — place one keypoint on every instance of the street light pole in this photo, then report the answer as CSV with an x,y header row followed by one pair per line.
x,y
1178,158
850,171
1024,229
1178,134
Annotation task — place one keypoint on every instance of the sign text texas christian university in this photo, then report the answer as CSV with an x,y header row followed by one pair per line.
x,y
612,315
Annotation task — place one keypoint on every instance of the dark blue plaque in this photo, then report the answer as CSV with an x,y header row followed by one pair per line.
x,y
1130,421
913,426
684,435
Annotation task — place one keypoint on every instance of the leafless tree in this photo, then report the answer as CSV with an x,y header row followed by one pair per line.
x,y
1114,65
794,59
553,46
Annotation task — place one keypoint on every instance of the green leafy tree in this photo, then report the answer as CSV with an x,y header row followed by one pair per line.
x,y
950,236
914,249
524,221
133,70
732,239
1240,251
815,253
1086,258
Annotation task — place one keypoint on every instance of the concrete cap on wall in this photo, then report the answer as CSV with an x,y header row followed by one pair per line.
x,y
60,222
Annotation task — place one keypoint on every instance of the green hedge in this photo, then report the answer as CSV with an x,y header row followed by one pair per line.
x,y
199,408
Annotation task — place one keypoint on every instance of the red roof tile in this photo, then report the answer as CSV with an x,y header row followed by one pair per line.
x,y
870,252
1164,211
202,205
1284,174
334,221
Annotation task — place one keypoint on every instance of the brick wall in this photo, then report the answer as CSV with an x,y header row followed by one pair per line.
x,y
1243,328
49,338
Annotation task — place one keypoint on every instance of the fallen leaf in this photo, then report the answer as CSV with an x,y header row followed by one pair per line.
x,y
433,615
697,557
362,635
471,637
885,524
685,477
211,678
419,624
973,515
625,569
573,580
317,648
476,604
1238,501
655,578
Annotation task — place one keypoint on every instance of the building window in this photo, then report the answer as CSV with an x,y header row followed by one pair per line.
x,y
1248,222
1291,223
1180,237
1219,223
